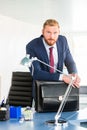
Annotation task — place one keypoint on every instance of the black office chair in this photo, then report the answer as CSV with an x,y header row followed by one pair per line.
x,y
20,93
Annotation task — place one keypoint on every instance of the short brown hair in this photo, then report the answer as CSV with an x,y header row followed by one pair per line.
x,y
50,22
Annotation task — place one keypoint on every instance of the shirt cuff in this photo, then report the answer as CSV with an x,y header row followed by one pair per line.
x,y
61,77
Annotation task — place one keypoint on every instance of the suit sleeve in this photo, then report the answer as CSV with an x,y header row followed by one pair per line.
x,y
68,59
40,72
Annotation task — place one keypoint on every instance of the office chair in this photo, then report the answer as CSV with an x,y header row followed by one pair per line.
x,y
20,93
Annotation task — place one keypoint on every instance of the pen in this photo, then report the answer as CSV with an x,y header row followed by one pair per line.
x,y
2,103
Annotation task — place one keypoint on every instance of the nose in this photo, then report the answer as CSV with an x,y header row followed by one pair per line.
x,y
52,35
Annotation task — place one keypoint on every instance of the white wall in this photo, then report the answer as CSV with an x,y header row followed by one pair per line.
x,y
21,20
14,35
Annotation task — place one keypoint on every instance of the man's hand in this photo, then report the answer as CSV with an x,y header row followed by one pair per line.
x,y
76,81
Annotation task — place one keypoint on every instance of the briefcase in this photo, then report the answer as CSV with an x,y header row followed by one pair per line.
x,y
50,94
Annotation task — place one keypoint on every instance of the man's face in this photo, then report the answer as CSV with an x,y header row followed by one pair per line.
x,y
51,34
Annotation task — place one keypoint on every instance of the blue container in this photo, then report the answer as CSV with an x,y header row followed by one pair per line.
x,y
15,112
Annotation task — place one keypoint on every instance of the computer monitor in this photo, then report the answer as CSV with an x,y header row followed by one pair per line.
x,y
50,94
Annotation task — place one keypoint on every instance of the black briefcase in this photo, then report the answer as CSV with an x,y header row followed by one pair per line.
x,y
50,94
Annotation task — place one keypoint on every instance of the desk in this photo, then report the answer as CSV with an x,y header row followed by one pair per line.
x,y
38,123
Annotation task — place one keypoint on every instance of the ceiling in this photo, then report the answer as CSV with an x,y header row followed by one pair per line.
x,y
69,13
35,11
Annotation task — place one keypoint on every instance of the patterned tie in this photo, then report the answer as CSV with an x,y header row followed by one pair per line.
x,y
51,60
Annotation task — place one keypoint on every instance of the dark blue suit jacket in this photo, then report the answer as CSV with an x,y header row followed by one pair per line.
x,y
41,72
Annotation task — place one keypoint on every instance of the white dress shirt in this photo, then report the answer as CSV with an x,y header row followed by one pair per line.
x,y
55,52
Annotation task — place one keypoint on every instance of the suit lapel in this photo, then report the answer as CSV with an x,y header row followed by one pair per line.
x,y
59,48
42,52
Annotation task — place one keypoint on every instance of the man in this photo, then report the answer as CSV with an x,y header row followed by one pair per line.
x,y
39,47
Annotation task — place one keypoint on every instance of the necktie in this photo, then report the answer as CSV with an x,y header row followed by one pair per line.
x,y
51,59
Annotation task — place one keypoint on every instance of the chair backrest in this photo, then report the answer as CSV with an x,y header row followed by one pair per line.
x,y
20,93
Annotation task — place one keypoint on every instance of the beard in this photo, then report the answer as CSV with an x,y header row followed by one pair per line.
x,y
50,42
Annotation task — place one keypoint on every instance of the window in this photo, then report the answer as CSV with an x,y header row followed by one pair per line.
x,y
80,54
